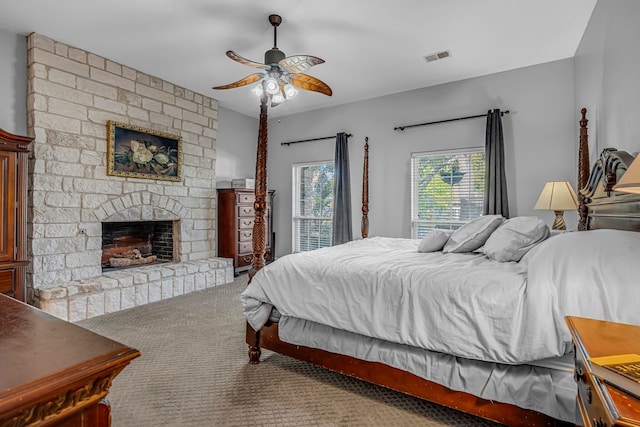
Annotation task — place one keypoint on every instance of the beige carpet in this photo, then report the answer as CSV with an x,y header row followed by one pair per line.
x,y
194,372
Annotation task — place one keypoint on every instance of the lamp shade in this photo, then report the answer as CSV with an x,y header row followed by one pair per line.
x,y
557,196
630,181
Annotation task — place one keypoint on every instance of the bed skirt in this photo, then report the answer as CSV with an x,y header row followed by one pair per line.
x,y
547,387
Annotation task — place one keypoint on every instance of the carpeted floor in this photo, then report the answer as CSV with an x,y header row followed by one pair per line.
x,y
194,371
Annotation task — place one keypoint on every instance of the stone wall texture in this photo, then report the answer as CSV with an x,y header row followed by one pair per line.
x,y
71,96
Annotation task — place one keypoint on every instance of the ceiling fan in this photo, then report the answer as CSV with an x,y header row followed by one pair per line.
x,y
282,74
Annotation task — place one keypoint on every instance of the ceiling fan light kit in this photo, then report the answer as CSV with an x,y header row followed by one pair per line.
x,y
271,85
277,98
283,75
258,90
290,91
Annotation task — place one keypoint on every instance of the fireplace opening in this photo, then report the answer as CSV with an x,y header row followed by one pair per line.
x,y
132,244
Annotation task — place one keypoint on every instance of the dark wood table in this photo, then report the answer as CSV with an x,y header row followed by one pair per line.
x,y
601,404
53,372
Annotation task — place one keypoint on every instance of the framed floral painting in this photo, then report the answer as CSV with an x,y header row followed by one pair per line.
x,y
137,152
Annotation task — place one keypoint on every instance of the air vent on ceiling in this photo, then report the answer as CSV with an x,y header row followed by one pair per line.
x,y
438,55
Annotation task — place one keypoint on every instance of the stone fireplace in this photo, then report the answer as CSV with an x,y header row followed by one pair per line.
x,y
71,96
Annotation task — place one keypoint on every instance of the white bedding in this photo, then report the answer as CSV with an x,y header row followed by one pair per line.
x,y
460,304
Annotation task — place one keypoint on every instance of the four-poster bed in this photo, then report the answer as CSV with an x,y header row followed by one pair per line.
x,y
504,386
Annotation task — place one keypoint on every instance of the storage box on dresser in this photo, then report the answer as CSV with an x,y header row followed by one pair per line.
x,y
13,214
235,226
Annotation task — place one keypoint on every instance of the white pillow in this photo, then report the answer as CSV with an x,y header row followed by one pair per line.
x,y
434,241
515,237
473,234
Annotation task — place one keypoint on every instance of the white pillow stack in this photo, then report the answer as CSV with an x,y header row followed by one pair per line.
x,y
498,238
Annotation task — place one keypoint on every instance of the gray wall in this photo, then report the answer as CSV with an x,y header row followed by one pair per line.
x,y
540,138
13,82
607,71
236,145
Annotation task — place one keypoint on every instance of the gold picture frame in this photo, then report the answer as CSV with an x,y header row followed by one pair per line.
x,y
136,152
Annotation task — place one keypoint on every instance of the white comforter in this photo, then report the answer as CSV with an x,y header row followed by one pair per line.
x,y
460,304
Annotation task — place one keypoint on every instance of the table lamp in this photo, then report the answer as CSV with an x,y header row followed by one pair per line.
x,y
557,196
630,181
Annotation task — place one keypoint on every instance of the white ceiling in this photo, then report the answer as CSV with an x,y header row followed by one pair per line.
x,y
371,48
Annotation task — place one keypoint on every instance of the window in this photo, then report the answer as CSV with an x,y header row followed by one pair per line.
x,y
447,189
312,205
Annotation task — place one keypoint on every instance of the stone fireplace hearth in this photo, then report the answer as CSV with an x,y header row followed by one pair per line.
x,y
71,96
109,291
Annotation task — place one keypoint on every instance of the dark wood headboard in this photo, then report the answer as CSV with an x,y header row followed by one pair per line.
x,y
600,206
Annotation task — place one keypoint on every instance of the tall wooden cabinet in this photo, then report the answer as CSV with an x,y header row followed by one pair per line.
x,y
13,214
235,227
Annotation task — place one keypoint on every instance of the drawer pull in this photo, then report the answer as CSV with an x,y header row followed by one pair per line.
x,y
589,394
578,373
598,422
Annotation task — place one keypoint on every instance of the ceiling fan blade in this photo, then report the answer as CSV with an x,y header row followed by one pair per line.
x,y
299,63
231,54
246,81
307,82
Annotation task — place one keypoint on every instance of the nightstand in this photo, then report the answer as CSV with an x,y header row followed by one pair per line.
x,y
601,404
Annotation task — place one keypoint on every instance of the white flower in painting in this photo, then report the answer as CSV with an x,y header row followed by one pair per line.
x,y
140,153
161,158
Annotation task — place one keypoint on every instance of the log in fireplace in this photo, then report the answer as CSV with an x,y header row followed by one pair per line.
x,y
131,244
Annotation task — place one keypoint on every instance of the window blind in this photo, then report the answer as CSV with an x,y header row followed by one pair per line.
x,y
447,189
312,211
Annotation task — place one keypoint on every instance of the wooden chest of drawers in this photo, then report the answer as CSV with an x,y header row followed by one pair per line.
x,y
235,227
601,404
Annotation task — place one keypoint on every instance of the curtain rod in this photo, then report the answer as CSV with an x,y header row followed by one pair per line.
x,y
312,139
502,113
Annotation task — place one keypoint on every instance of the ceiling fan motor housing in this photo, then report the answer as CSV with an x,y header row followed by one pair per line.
x,y
273,56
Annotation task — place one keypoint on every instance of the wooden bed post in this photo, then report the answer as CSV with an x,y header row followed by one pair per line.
x,y
260,203
583,171
365,190
253,340
259,206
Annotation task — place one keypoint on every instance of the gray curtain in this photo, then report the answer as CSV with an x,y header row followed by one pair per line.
x,y
495,197
341,192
